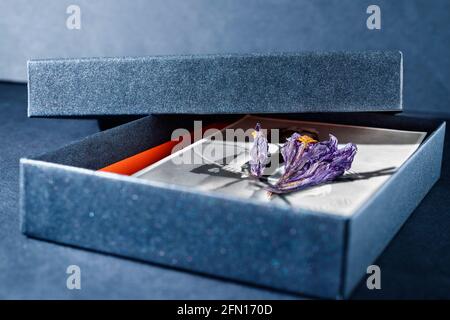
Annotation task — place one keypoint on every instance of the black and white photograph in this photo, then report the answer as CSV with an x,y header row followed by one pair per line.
x,y
223,165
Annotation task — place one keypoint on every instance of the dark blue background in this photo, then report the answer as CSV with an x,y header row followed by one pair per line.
x,y
419,28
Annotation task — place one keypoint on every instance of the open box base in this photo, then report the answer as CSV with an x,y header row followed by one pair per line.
x,y
64,199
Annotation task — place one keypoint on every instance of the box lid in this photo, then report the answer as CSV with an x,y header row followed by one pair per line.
x,y
205,84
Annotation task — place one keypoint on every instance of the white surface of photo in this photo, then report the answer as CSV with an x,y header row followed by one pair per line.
x,y
380,153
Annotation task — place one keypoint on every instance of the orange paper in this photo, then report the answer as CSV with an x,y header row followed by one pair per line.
x,y
133,164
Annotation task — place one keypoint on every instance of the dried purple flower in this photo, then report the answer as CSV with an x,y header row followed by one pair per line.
x,y
259,152
309,163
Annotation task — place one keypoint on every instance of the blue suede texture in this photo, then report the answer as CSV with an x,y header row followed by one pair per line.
x,y
218,84
215,235
185,230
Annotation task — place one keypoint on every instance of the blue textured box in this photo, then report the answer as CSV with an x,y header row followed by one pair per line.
x,y
64,199
221,84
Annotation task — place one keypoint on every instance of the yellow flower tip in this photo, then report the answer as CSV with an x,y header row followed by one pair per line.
x,y
306,139
254,134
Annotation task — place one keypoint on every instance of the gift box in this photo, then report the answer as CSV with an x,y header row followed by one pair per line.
x,y
64,198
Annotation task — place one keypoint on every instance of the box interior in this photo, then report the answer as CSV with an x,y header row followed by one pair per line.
x,y
123,141
118,143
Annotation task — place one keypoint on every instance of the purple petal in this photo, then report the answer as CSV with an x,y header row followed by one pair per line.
x,y
311,164
259,152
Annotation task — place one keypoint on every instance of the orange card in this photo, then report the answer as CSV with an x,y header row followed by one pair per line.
x,y
133,164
